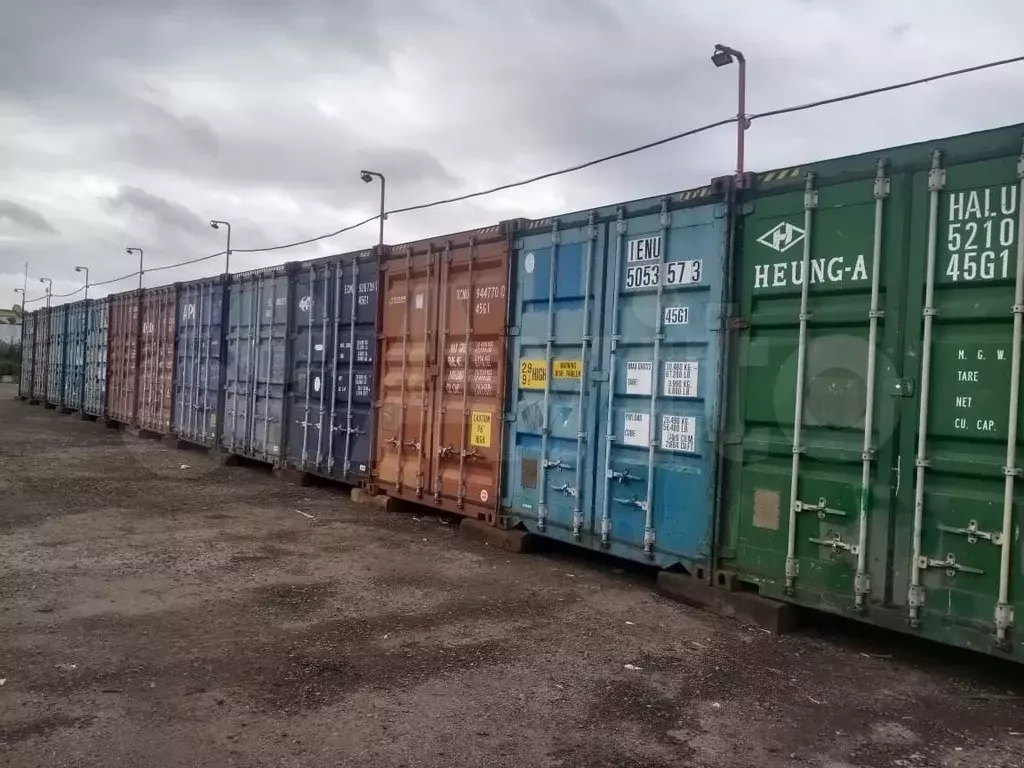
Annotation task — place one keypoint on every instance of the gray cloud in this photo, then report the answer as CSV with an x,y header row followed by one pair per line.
x,y
24,218
165,213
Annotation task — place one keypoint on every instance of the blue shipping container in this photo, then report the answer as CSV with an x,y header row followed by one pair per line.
x,y
75,332
58,355
28,348
330,390
613,397
198,371
95,385
256,364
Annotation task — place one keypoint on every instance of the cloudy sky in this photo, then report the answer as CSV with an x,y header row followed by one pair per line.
x,y
134,123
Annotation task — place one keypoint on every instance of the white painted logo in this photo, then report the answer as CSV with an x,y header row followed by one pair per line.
x,y
305,303
316,383
529,262
484,495
782,237
188,312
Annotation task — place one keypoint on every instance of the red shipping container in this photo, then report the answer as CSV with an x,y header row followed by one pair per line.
x,y
156,359
123,356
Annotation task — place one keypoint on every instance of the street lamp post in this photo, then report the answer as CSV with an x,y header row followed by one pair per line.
x,y
723,56
368,176
49,289
227,258
130,251
24,295
86,270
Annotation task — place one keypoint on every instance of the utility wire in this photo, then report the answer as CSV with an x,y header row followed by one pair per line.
x,y
580,166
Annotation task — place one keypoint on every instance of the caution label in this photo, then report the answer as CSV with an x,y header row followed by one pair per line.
x,y
533,374
567,369
480,429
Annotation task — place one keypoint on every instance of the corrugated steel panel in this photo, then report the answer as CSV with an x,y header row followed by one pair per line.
x,y
441,357
156,359
256,366
614,398
123,356
198,398
57,354
41,355
95,384
76,331
874,465
330,394
28,329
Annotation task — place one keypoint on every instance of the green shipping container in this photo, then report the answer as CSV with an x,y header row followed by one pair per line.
x,y
871,444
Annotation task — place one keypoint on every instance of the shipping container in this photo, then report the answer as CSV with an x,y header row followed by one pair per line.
x,y
73,376
256,364
123,357
874,397
156,359
28,343
330,390
41,355
198,375
57,355
441,356
613,402
95,375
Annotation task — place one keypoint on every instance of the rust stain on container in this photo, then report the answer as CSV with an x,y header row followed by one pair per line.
x,y
123,356
441,385
156,359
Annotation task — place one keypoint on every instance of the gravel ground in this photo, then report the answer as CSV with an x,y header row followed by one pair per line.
x,y
159,610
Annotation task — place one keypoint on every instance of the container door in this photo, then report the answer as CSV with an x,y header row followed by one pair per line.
x,y
312,353
96,358
407,344
197,372
123,352
27,352
659,419
240,343
817,391
156,380
472,311
58,350
355,345
959,557
556,359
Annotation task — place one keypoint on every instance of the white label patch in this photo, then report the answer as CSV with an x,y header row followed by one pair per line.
x,y
484,496
316,383
676,316
681,379
679,433
419,301
644,249
529,262
638,377
686,272
636,429
643,276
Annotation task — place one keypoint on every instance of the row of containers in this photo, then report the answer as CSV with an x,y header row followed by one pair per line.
x,y
803,382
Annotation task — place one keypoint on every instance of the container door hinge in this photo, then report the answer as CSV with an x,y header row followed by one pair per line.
x,y
601,376
509,416
902,388
512,330
1004,616
862,584
738,323
792,567
915,596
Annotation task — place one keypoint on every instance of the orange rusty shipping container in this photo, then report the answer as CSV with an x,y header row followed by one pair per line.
x,y
441,343
156,359
123,356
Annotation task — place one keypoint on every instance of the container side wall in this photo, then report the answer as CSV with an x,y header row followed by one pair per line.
x,y
198,371
41,355
28,328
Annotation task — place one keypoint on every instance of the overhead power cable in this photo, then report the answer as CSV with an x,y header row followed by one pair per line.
x,y
588,164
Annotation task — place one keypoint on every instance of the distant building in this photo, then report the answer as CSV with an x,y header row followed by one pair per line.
x,y
10,325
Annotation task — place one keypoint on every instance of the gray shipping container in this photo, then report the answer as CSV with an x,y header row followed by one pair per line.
x,y
198,373
28,346
95,374
330,392
75,331
256,364
58,352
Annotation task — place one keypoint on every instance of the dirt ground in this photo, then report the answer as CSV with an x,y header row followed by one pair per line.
x,y
159,610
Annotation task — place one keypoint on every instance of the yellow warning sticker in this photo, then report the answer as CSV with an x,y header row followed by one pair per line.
x,y
567,369
533,374
480,429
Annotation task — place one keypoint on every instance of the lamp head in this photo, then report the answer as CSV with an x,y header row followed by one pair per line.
x,y
722,56
215,225
366,176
